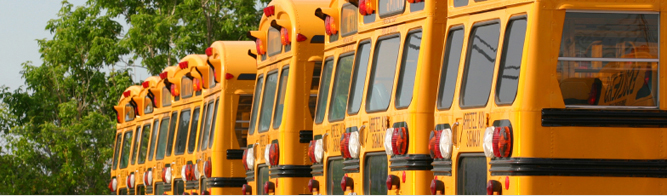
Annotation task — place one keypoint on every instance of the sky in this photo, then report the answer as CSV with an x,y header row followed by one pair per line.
x,y
22,22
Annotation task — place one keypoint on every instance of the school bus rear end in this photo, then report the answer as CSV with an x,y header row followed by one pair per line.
x,y
229,79
281,126
121,168
574,106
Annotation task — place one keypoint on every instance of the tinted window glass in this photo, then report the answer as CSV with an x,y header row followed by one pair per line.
x,y
156,129
193,131
341,88
274,46
375,175
162,140
186,87
390,7
348,22
406,78
268,98
255,104
450,68
314,85
135,148
510,63
323,93
145,136
359,78
334,176
278,116
115,154
127,144
383,70
172,132
166,97
480,63
182,137
242,119
599,61
215,114
202,126
209,118
149,105
459,3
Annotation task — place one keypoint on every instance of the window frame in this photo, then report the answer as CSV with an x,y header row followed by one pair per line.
x,y
466,64
399,79
122,149
356,11
135,144
255,105
211,137
372,61
165,95
170,148
193,148
446,49
319,90
355,72
333,86
271,54
503,56
157,145
183,86
389,14
284,69
277,72
177,134
141,145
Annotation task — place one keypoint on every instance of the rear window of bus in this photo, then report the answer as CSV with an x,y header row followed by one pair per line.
x,y
145,135
162,143
255,103
480,62
115,154
127,144
609,59
383,70
268,98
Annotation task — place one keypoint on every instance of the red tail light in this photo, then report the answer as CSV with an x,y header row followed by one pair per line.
x,y
366,7
392,181
267,187
415,1
209,51
274,154
493,187
164,75
119,118
269,11
260,46
311,151
229,76
345,182
164,171
437,186
146,84
330,26
127,181
245,189
300,37
502,142
126,93
312,183
344,145
399,141
183,65
434,144
207,169
284,36
243,160
111,188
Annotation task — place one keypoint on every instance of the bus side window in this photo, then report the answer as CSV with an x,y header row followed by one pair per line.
x,y
323,93
450,68
243,119
192,138
156,129
135,148
359,77
215,114
127,144
510,63
145,136
202,126
406,77
172,132
182,137
115,154
314,85
480,62
162,140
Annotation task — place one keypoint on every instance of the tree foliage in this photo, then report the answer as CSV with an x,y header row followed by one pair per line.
x,y
57,129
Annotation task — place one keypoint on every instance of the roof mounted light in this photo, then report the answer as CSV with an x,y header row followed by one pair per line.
x,y
209,51
183,65
269,11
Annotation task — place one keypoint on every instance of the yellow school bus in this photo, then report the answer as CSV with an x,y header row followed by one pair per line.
x,y
121,169
574,107
145,107
228,81
186,92
374,146
289,44
162,96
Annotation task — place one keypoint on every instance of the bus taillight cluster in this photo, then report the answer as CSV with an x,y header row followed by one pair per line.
x,y
498,142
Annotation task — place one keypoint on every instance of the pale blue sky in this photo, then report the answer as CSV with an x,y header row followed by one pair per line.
x,y
21,23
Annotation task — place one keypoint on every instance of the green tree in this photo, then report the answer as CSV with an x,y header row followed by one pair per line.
x,y
161,31
64,122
